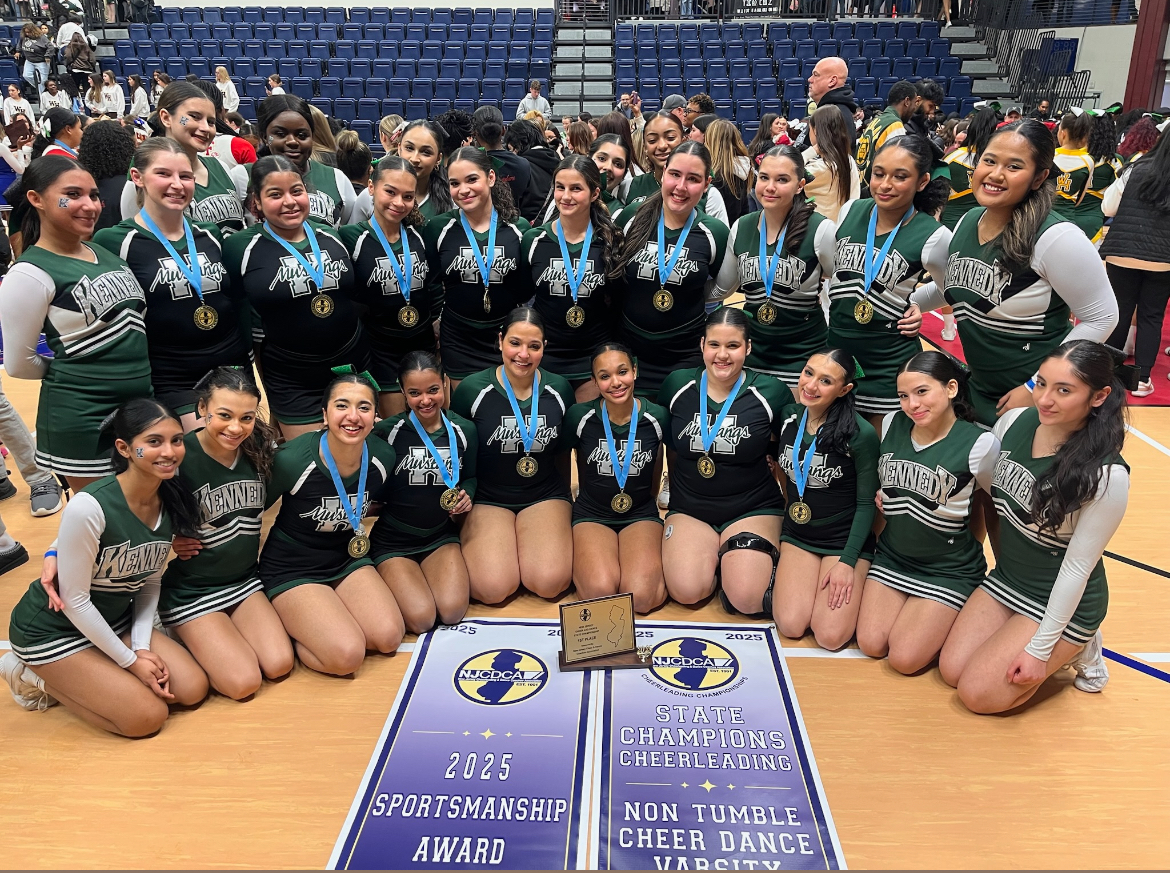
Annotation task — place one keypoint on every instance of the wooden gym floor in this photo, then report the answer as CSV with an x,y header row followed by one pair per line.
x,y
913,780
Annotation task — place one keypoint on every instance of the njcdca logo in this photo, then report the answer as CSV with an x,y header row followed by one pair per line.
x,y
693,664
500,677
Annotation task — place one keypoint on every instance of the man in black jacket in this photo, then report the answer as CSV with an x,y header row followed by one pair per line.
x,y
829,86
525,139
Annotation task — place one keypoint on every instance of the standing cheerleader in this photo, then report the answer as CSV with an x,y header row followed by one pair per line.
x,y
299,281
187,116
315,564
671,254
1061,486
617,533
98,654
829,455
474,250
211,595
415,542
883,246
960,164
1084,167
928,561
725,504
89,307
519,528
662,135
615,163
573,262
422,147
777,257
390,266
194,315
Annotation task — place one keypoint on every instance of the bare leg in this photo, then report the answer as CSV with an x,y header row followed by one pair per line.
x,y
446,574
489,547
746,572
879,610
640,556
372,605
544,546
328,639
981,616
409,586
259,624
690,551
101,693
292,431
597,569
239,649
588,391
919,633
834,628
797,583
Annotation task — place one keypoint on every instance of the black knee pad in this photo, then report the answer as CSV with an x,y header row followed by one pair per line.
x,y
756,543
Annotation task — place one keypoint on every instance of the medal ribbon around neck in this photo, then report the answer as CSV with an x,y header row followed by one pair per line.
x,y
191,272
769,267
485,266
621,471
353,513
527,431
801,468
707,435
317,274
62,145
665,267
451,476
873,265
404,272
575,276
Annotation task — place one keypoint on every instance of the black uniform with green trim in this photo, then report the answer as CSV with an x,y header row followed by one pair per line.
x,y
888,123
742,485
480,398
181,352
309,541
568,349
224,572
129,553
96,330
325,202
376,287
412,524
300,344
470,336
585,432
218,202
840,492
666,341
960,164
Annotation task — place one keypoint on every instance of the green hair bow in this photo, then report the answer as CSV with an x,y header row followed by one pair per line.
x,y
348,370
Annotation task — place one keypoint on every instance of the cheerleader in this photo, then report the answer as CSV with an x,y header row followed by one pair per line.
x,y
519,528
187,115
617,533
391,270
928,561
422,147
62,129
960,164
615,163
98,654
415,542
573,262
193,317
1061,486
671,254
211,595
662,135
883,245
90,308
777,257
828,454
1084,168
299,281
474,250
315,564
724,501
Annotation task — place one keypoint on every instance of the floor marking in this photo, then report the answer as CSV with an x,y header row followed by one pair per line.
x,y
1156,571
1137,665
659,784
550,736
769,787
844,654
406,647
1152,657
5,645
1148,440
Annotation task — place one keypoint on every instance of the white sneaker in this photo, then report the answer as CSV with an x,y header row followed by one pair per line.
x,y
1144,389
27,688
664,492
950,334
1089,663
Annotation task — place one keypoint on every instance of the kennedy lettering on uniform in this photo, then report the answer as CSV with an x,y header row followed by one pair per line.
x,y
789,273
989,281
851,258
228,498
96,296
936,485
125,560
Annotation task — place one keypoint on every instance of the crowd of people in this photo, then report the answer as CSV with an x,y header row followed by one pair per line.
x,y
514,344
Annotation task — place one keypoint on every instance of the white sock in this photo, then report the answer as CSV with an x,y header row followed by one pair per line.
x,y
7,543
948,320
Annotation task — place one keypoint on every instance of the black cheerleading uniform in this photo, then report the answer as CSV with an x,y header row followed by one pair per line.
x,y
391,328
742,485
412,524
307,330
585,432
181,351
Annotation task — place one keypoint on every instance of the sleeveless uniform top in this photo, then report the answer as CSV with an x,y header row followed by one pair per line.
x,y
840,491
568,348
585,432
742,485
231,501
1074,179
325,201
480,398
218,202
797,330
376,287
888,124
960,164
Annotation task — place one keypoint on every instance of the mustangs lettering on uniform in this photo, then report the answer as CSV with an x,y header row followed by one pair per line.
x,y
507,434
383,274
294,274
647,261
466,265
331,515
729,436
420,467
601,458
558,283
170,276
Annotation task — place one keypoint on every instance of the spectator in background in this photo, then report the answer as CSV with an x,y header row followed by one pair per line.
x,y
390,133
836,179
487,125
274,85
15,105
113,97
158,81
527,140
901,104
231,97
829,86
1138,140
763,138
534,102
730,166
53,97
780,131
235,121
139,100
354,159
1040,113
80,61
581,136
34,50
324,145
617,124
66,32
676,105
699,125
107,150
700,104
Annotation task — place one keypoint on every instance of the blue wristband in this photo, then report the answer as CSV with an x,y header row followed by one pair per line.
x,y
1031,385
52,553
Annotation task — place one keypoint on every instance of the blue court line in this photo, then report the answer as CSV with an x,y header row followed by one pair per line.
x,y
1137,665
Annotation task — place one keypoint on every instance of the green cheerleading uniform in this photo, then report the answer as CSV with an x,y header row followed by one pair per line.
x,y
959,165
218,202
878,346
309,540
840,492
412,524
327,206
223,574
129,558
427,208
1080,187
585,432
887,125
95,327
480,399
797,328
742,485
926,548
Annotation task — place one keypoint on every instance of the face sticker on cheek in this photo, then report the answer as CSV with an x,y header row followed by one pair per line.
x,y
184,120
139,453
63,202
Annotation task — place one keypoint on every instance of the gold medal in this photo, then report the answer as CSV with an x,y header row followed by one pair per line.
x,y
800,512
622,502
359,546
527,466
706,467
863,312
408,316
322,306
205,317
487,301
449,499
766,314
575,317
663,300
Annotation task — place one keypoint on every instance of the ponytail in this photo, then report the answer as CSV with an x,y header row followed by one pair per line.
x,y
1018,240
646,218
599,216
942,368
934,196
502,200
802,208
259,447
840,425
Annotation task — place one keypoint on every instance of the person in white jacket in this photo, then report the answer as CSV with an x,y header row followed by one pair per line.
x,y
231,97
113,97
15,105
139,99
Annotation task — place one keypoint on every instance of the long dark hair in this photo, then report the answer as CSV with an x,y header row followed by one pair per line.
x,y
671,118
762,141
392,162
981,129
437,188
56,120
128,421
258,448
802,208
942,368
39,176
501,191
1018,240
1102,138
1075,474
106,150
603,225
934,196
834,144
732,316
616,124
840,424
261,170
487,124
1078,127
1154,169
604,139
646,218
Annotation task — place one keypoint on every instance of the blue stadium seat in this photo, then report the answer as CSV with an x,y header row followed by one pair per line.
x,y
380,15
799,30
959,87
881,68
752,31
917,48
789,69
967,106
265,67
191,15
757,49
325,104
624,51
783,50
242,31
404,68
437,31
798,108
842,30
712,50
885,30
858,67
450,69
864,88
542,33
539,68
244,67
718,69
742,89
329,86
123,48
171,16
345,107
253,48
484,15
297,48
284,31
850,49
364,129
199,66
863,30
138,32
399,89
200,31
651,91
903,68
794,89
302,86
543,16
374,32
828,48
747,110
907,30
337,68
884,86
335,15
926,67
493,69
734,50
377,88
428,68
264,31
699,86
950,66
474,69
894,48
210,48
232,15
871,48
776,106
515,89
940,48
352,31
314,68
176,68
329,31
273,14
166,49
821,30
400,15
359,14
739,69
672,86
410,50
767,89
253,14
276,48
438,16
725,109
691,51
132,66
761,69
949,105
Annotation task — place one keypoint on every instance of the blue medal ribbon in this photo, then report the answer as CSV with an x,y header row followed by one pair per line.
x,y
873,265
317,274
404,272
769,267
575,276
527,431
665,267
801,468
353,513
62,145
450,477
707,435
621,467
485,266
191,272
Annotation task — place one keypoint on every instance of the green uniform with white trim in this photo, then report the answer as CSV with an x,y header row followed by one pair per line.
x,y
959,165
218,202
